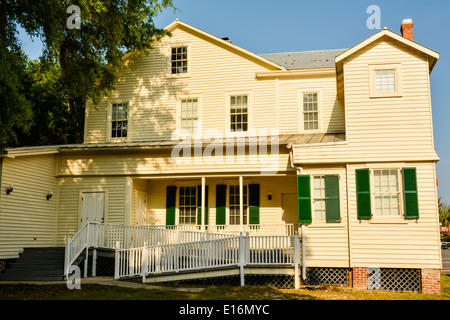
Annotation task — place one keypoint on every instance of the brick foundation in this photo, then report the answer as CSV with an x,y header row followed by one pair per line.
x,y
431,281
359,278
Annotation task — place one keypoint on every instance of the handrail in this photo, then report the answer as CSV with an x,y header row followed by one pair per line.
x,y
75,245
116,236
235,251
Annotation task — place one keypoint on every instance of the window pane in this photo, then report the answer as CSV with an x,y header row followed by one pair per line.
x,y
234,205
119,117
385,80
189,116
187,205
310,111
179,60
238,113
319,198
386,192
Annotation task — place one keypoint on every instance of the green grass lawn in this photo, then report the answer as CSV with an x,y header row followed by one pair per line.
x,y
222,292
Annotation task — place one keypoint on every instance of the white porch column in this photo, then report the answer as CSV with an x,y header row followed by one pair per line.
x,y
241,201
203,213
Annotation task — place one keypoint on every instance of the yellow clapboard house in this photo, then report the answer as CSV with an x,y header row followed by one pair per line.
x,y
330,151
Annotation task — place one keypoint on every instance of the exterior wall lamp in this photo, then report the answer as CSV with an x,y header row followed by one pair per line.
x,y
10,189
49,195
269,196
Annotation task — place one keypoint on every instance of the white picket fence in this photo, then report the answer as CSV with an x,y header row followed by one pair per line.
x,y
148,250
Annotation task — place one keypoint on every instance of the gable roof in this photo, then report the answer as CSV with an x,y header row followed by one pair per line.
x,y
386,32
305,59
177,23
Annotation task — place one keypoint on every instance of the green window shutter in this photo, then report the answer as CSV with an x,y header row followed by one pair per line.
x,y
199,205
332,203
363,205
304,198
171,200
221,204
410,198
253,203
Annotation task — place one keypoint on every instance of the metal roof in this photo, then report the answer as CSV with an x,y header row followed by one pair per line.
x,y
282,139
305,59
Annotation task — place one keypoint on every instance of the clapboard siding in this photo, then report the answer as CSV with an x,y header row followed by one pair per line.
x,y
400,243
215,72
27,218
70,189
327,243
158,162
290,103
401,126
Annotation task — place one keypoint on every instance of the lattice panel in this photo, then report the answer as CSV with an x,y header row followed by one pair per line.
x,y
276,281
318,276
229,280
398,280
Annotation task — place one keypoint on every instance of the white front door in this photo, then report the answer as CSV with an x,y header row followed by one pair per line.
x,y
289,206
93,206
141,208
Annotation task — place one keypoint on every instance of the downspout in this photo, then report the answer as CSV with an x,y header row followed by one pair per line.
x,y
300,169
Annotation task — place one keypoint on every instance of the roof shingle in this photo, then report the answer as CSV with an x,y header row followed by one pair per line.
x,y
304,59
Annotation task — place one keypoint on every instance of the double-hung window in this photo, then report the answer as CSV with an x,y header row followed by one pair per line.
x,y
386,192
189,115
119,120
187,205
179,60
310,111
239,113
318,198
234,204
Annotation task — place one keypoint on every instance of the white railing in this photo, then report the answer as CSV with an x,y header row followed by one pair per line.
x,y
236,251
177,257
115,236
75,246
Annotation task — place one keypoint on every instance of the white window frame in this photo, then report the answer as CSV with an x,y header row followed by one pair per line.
x,y
109,136
199,114
228,114
245,205
178,207
376,216
313,199
323,223
169,59
372,77
318,92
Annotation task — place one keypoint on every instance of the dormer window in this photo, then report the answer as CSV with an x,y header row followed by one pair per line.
x,y
179,60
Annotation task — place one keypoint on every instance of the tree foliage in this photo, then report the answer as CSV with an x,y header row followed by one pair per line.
x,y
444,213
44,100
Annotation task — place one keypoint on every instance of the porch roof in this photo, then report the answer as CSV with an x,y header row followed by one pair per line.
x,y
283,139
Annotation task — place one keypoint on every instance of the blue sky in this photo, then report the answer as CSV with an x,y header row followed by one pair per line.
x,y
264,26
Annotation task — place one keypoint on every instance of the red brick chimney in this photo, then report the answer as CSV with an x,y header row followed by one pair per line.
x,y
407,29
